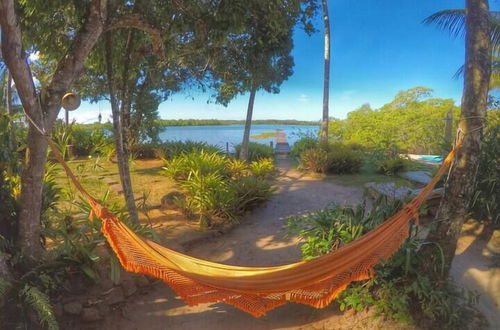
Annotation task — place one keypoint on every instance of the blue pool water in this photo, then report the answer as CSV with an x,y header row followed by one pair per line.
x,y
429,158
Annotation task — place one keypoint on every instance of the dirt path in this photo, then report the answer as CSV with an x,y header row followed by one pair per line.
x,y
476,267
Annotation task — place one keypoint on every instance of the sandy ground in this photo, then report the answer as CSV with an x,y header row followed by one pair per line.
x,y
476,267
260,241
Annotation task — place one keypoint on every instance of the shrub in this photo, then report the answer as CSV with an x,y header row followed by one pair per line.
x,y
485,203
392,166
256,151
209,196
250,192
399,288
237,168
343,160
143,151
315,160
171,149
303,144
219,188
333,158
182,166
89,142
263,168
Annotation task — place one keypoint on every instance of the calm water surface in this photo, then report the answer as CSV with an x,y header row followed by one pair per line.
x,y
233,134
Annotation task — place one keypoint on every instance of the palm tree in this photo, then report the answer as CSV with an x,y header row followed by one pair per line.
x,y
453,20
477,70
326,81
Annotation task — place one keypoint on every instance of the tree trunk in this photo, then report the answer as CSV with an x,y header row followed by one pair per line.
x,y
121,152
326,81
8,107
248,124
43,112
453,209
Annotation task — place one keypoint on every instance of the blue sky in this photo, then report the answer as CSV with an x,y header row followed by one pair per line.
x,y
379,47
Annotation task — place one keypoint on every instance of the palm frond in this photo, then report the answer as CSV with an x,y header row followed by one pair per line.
x,y
452,20
42,306
459,73
495,30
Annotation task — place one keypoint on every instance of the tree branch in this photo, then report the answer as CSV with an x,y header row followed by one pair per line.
x,y
70,67
135,21
15,58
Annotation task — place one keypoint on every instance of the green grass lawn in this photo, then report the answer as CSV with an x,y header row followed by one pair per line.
x,y
98,176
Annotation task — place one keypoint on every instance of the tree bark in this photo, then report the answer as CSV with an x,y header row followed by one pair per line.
x,y
326,80
248,125
42,110
453,209
121,154
10,112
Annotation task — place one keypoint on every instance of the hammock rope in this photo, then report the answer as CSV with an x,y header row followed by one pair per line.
x,y
257,290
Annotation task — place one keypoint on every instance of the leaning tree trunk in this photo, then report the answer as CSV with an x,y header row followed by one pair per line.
x,y
121,152
453,209
44,110
326,80
248,124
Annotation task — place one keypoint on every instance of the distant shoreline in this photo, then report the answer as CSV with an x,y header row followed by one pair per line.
x,y
219,122
208,122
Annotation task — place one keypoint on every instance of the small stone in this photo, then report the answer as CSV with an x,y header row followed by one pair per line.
x,y
141,281
129,288
90,314
115,296
172,199
106,283
58,309
103,309
73,308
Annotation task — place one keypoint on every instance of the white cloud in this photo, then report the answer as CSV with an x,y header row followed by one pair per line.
x,y
303,98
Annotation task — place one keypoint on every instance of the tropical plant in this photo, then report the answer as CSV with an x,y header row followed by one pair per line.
x,y
263,167
181,167
171,149
392,166
485,203
398,289
335,158
256,151
218,188
315,160
303,144
91,140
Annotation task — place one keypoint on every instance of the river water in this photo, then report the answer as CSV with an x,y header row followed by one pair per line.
x,y
233,134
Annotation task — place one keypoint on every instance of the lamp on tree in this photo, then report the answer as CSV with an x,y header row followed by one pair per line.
x,y
70,101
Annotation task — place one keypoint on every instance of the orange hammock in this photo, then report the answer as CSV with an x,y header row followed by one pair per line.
x,y
257,290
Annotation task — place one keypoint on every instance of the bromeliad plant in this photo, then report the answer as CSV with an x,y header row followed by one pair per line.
x,y
218,187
